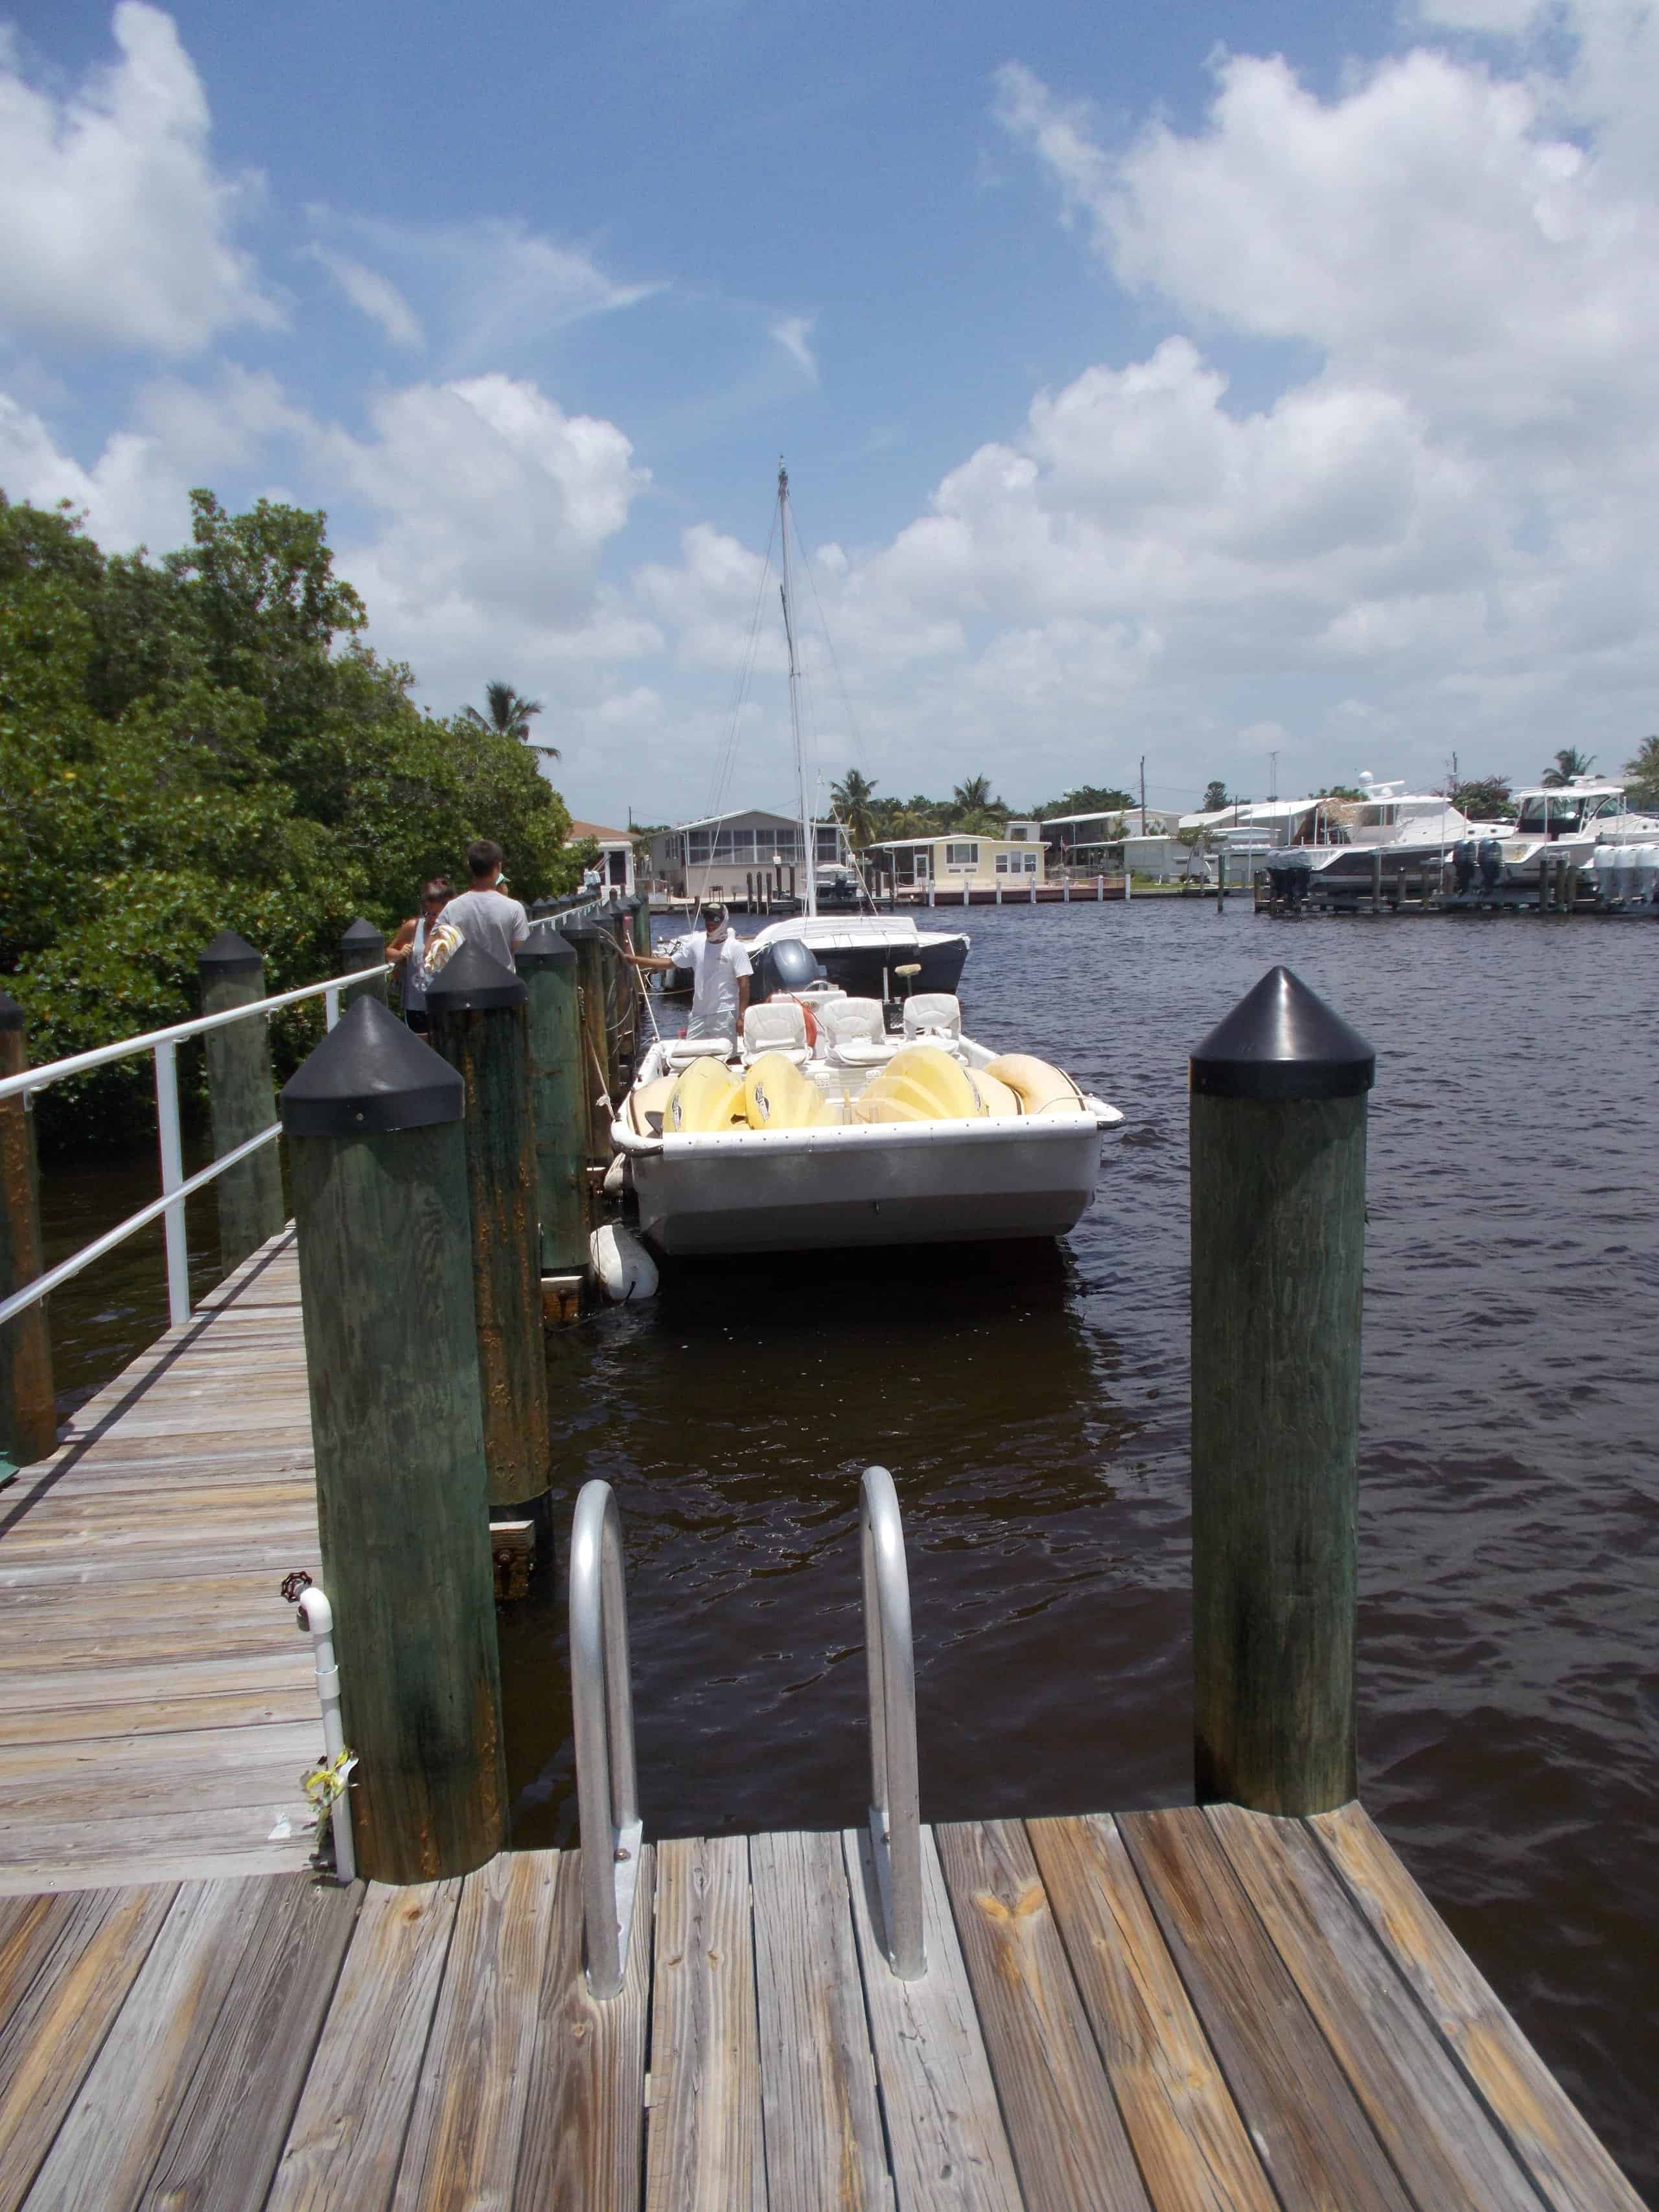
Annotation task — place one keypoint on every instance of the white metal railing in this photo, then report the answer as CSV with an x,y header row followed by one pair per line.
x,y
895,1809
602,1706
163,1045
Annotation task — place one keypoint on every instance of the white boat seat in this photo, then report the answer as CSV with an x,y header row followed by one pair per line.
x,y
854,1033
775,1025
934,1015
680,1052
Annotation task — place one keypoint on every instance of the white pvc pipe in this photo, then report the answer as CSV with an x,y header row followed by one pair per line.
x,y
173,1178
318,1616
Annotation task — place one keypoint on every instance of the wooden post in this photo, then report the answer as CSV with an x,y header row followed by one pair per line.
x,y
379,1162
641,922
476,1008
362,946
547,967
1278,1130
1221,880
1377,879
241,1095
591,959
29,1413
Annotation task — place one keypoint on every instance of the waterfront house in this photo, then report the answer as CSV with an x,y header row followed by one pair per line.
x,y
731,855
960,860
615,861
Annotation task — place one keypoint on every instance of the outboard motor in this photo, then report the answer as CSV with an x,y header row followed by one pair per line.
x,y
1463,865
786,965
1298,880
1491,855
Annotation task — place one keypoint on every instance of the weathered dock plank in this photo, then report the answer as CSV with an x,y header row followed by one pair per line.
x,y
281,2046
704,2151
156,1707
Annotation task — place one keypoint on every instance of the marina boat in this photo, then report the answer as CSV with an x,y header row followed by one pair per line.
x,y
826,1130
1569,821
861,954
1392,832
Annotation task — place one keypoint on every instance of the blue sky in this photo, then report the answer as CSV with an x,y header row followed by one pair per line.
x,y
1212,384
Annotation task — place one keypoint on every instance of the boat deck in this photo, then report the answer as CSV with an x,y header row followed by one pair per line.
x,y
1155,2013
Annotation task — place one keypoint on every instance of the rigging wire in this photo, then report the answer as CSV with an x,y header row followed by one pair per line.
x,y
726,759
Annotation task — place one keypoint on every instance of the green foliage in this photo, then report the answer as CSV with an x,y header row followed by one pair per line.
x,y
854,799
204,743
1215,796
509,714
1485,798
1087,799
1641,773
1569,762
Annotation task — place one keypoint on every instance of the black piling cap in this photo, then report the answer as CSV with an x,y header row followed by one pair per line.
x,y
471,979
1282,1041
229,955
586,932
11,1014
363,937
544,948
368,1076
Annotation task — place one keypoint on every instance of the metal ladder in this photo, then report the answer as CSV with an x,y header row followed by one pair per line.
x,y
602,1702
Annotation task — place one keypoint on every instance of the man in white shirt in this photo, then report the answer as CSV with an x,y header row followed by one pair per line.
x,y
719,969
484,913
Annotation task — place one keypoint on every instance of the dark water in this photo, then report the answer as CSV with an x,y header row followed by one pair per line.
x,y
1033,1408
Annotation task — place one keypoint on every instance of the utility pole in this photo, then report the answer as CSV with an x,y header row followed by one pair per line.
x,y
1143,794
1272,795
1451,788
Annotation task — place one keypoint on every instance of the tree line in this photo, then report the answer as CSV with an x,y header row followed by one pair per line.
x,y
205,742
971,808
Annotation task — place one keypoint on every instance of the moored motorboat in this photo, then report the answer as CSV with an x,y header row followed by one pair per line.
x,y
825,1132
862,954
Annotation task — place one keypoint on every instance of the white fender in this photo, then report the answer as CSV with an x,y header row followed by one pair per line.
x,y
615,1176
622,1267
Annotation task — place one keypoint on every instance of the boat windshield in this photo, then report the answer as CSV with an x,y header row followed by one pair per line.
x,y
1553,809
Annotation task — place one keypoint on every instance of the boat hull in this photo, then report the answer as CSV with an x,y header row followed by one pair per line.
x,y
866,971
821,1190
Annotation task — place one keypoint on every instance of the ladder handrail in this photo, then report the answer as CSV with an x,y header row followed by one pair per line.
x,y
895,1809
602,1705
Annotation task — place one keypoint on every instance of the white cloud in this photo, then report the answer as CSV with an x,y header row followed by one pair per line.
x,y
115,227
793,333
373,295
490,289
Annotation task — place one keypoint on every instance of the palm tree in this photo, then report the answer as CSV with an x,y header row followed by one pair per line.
x,y
973,796
851,798
509,716
1644,775
1569,762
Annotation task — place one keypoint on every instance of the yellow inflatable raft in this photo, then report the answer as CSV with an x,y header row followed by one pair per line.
x,y
924,1084
1040,1087
777,1096
704,1100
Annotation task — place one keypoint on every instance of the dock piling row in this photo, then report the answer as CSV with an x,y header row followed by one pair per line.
x,y
241,1097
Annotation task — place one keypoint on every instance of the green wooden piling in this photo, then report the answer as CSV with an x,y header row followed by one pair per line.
x,y
28,1413
591,962
477,1010
1277,1133
241,1095
547,966
379,1165
362,946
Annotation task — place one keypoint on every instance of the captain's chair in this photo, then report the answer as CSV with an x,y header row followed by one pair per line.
x,y
933,1017
854,1033
775,1025
680,1052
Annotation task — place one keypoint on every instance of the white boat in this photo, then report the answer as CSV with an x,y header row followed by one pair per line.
x,y
1392,833
863,953
1571,821
850,1137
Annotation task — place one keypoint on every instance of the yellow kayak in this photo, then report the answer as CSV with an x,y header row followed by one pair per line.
x,y
924,1084
705,1099
777,1096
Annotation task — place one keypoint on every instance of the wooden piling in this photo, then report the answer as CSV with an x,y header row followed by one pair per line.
x,y
28,1414
592,959
241,1097
476,1013
547,967
362,946
1278,1134
379,1164
1377,879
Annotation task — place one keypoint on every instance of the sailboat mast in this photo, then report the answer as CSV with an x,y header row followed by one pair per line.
x,y
808,841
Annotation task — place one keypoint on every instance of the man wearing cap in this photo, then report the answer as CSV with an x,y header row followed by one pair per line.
x,y
720,975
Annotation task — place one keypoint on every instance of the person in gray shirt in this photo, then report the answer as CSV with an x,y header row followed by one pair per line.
x,y
484,913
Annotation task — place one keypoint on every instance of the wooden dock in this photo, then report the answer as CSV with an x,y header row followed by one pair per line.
x,y
1176,2011
1158,2013
157,1705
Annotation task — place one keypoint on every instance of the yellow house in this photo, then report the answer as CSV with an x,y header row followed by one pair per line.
x,y
963,862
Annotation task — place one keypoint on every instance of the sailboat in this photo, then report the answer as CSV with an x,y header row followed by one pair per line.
x,y
864,955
